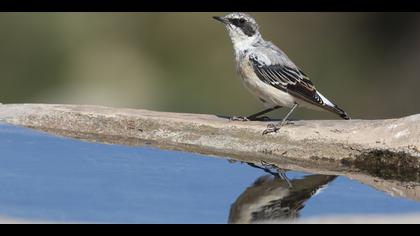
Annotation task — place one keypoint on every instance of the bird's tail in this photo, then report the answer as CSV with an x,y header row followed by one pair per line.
x,y
339,112
334,108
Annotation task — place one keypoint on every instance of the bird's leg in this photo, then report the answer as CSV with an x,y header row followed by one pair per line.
x,y
278,173
283,176
265,169
256,115
274,128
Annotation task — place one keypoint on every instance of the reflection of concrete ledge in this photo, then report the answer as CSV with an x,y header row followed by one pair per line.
x,y
383,148
359,219
347,219
6,220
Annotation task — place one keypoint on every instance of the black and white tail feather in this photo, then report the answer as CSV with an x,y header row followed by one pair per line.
x,y
333,108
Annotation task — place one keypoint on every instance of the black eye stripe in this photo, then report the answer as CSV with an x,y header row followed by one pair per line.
x,y
248,30
237,22
244,25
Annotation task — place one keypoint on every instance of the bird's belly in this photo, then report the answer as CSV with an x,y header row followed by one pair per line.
x,y
268,94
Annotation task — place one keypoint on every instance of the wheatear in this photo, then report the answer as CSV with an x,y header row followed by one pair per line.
x,y
268,73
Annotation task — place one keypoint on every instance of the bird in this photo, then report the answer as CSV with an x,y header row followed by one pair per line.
x,y
268,73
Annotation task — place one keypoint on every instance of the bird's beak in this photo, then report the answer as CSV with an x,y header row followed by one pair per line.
x,y
221,19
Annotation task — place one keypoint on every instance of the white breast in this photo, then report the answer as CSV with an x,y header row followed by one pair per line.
x,y
271,95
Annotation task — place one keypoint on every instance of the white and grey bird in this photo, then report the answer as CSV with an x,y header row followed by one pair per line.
x,y
268,73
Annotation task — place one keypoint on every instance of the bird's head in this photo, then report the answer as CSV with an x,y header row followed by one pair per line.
x,y
242,28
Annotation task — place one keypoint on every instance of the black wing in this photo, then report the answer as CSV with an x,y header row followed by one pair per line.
x,y
288,79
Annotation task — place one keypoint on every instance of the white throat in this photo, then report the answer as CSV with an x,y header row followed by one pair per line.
x,y
242,44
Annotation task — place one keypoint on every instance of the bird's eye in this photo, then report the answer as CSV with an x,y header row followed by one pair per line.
x,y
242,21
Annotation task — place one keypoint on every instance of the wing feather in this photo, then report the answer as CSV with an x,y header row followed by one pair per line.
x,y
286,78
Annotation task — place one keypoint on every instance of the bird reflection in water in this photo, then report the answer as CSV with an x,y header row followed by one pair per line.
x,y
274,198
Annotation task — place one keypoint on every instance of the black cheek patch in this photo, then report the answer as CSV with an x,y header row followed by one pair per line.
x,y
248,30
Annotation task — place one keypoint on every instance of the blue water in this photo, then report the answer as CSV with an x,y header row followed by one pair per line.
x,y
47,178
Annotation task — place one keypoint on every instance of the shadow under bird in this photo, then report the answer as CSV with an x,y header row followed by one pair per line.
x,y
269,74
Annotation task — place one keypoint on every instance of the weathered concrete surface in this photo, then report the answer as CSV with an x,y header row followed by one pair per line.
x,y
327,140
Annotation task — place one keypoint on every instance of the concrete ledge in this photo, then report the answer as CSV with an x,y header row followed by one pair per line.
x,y
388,150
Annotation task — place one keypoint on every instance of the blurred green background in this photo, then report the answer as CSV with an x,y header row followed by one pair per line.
x,y
367,63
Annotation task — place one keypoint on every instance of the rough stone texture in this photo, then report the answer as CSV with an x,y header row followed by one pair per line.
x,y
388,150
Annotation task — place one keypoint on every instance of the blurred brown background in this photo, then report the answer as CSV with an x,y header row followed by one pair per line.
x,y
367,63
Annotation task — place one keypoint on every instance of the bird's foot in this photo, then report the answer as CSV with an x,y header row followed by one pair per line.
x,y
267,165
239,118
272,128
